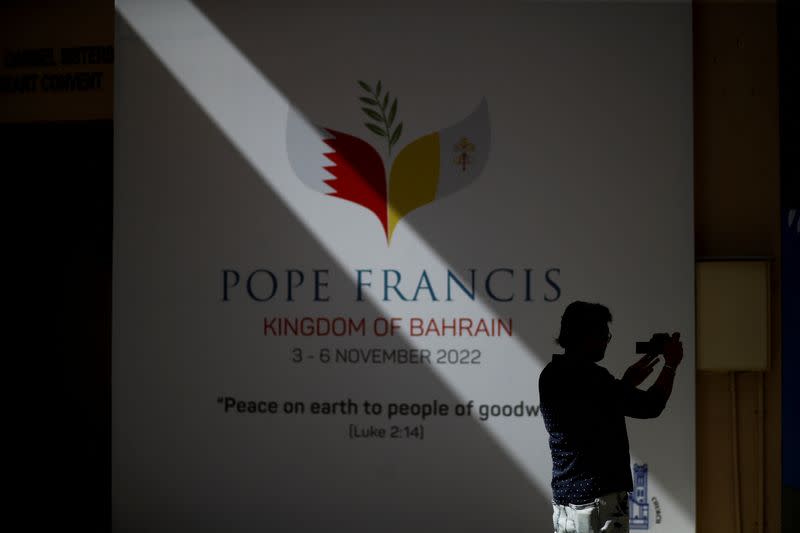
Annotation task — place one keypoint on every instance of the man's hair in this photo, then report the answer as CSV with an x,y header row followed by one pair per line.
x,y
581,319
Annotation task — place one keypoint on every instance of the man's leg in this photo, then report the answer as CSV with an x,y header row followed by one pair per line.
x,y
606,514
559,518
576,517
613,512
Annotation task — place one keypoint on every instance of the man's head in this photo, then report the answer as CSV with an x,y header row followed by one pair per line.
x,y
584,330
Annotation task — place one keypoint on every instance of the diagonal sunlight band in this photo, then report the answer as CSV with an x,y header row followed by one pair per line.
x,y
285,361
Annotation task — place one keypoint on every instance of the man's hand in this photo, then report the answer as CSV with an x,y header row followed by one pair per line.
x,y
673,350
638,371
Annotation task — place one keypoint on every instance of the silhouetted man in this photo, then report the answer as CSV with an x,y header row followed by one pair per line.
x,y
584,409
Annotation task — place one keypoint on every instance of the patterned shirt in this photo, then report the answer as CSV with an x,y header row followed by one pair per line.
x,y
584,409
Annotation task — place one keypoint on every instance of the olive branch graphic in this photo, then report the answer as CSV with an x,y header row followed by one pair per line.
x,y
377,112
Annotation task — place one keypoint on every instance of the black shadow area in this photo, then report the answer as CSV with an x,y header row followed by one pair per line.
x,y
58,191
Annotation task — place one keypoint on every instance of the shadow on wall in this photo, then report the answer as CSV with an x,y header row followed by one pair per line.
x,y
311,95
159,465
456,248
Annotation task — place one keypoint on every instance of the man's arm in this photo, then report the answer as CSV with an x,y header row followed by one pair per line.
x,y
650,403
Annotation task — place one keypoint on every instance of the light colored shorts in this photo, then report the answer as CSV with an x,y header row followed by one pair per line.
x,y
606,513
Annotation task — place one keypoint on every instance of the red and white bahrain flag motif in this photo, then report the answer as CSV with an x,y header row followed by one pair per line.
x,y
426,169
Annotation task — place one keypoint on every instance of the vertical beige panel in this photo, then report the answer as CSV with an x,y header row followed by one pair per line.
x,y
737,193
749,444
771,413
736,214
728,431
715,497
733,315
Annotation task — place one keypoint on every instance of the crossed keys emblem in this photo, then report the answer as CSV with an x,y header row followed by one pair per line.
x,y
463,148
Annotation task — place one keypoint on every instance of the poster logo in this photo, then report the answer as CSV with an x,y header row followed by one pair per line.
x,y
426,169
638,505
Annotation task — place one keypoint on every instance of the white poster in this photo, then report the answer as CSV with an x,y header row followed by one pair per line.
x,y
344,237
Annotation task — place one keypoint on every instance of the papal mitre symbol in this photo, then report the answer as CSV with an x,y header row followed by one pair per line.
x,y
428,168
